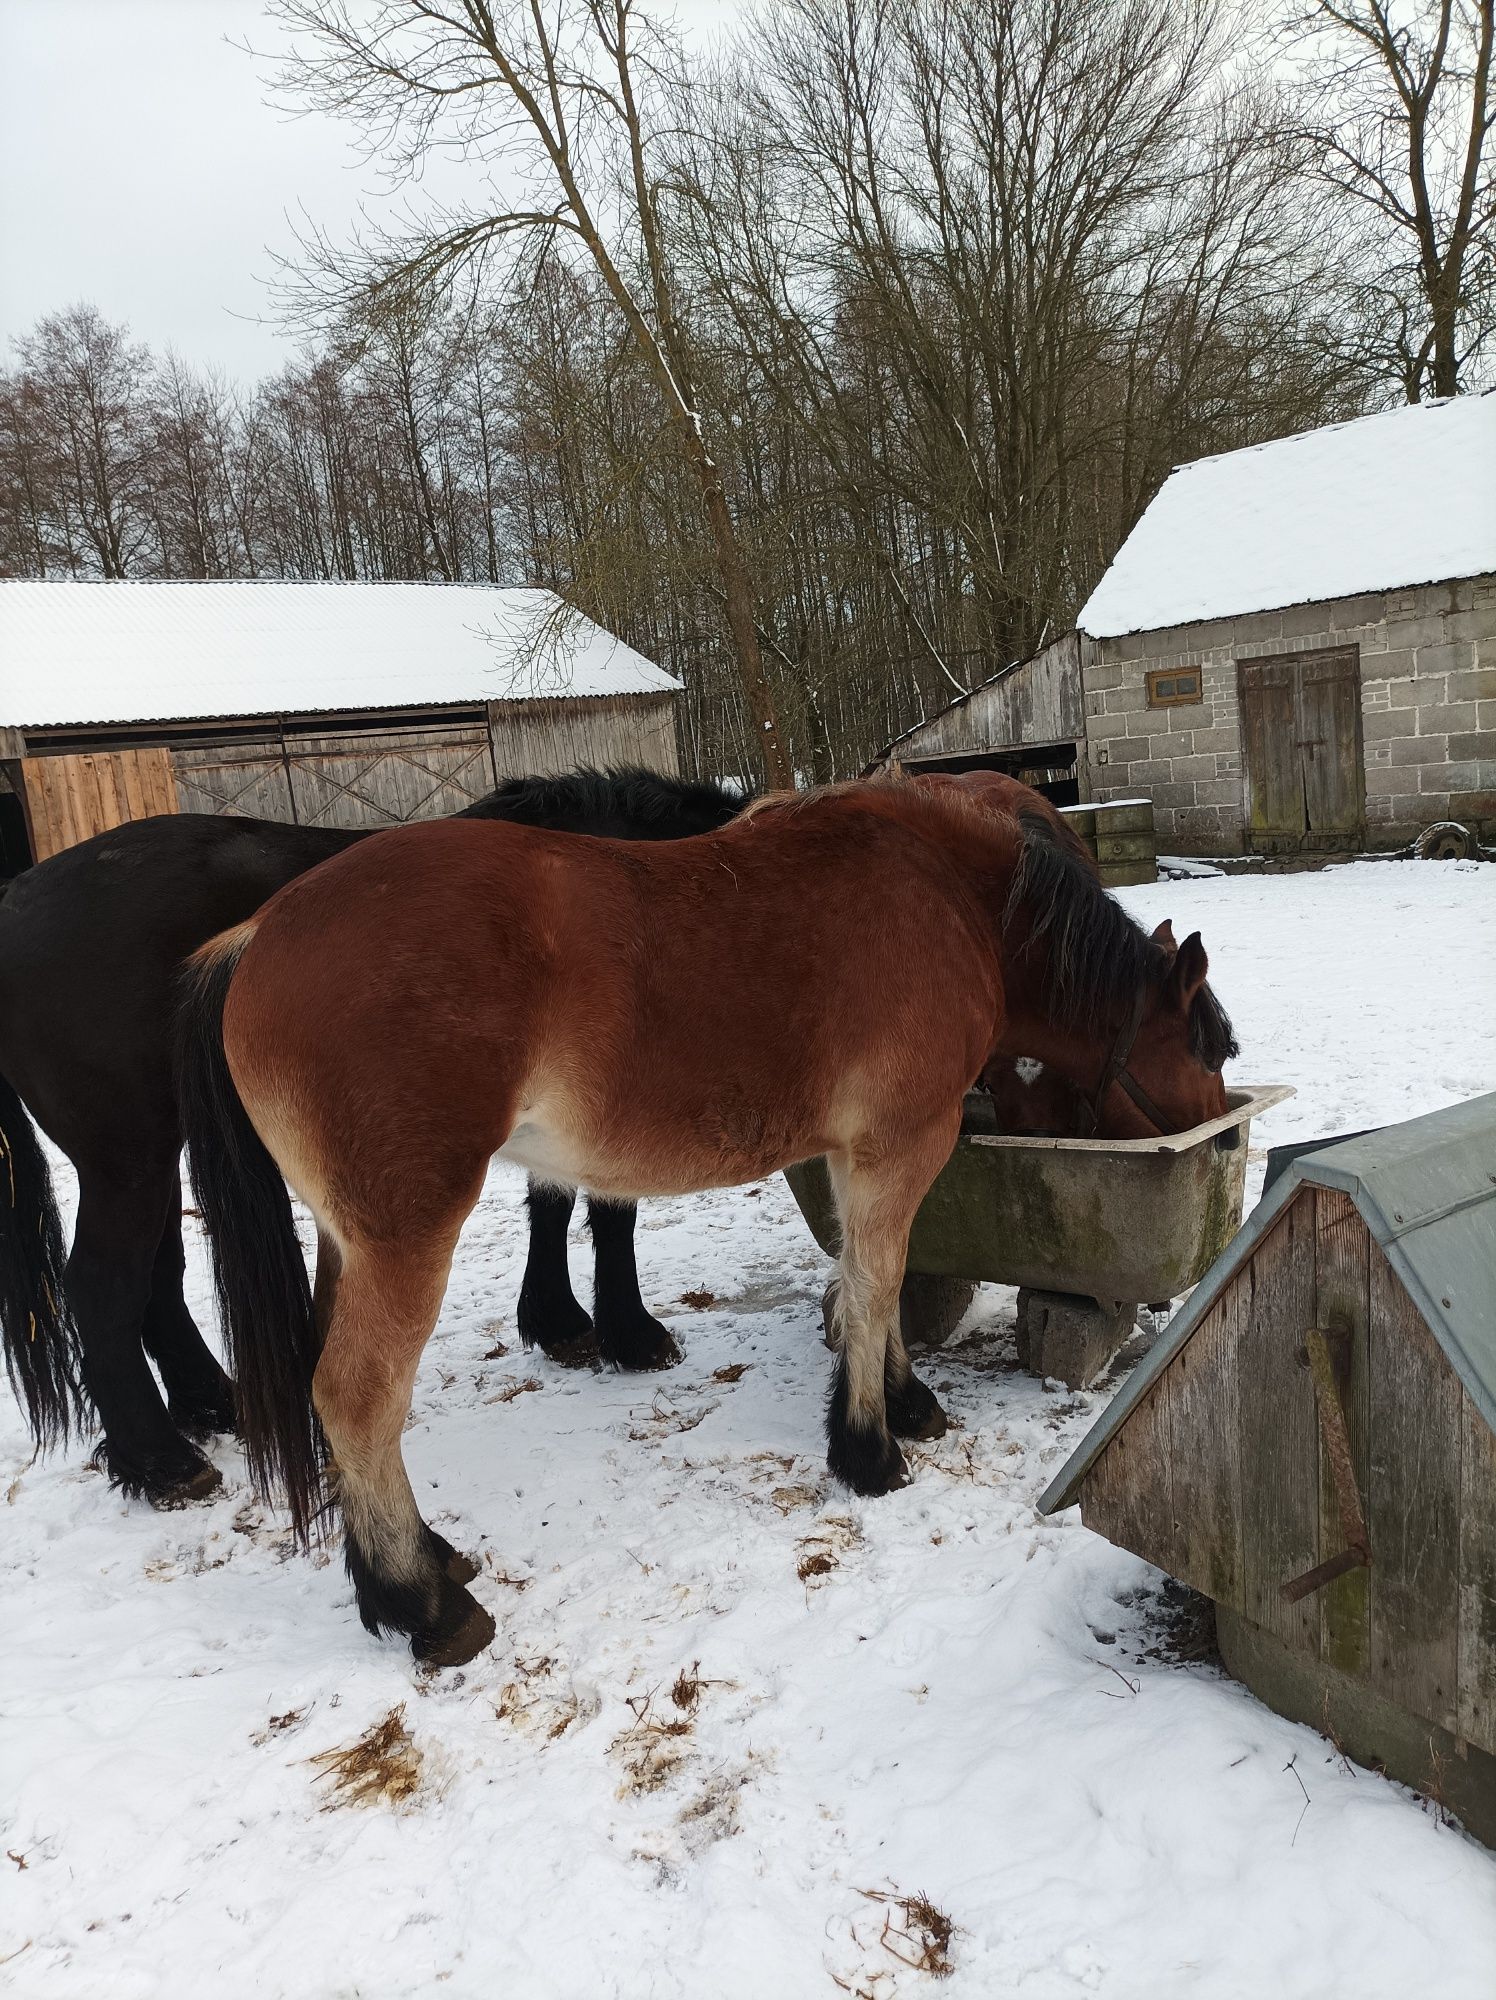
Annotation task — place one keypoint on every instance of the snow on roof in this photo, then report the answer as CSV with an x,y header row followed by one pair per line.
x,y
75,653
1380,503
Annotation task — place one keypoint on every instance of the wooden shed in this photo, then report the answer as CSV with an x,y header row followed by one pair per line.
x,y
1312,1444
329,704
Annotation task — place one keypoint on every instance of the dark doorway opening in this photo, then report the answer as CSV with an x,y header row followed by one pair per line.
x,y
15,843
1050,768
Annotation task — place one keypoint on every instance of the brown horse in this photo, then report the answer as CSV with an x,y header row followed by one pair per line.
x,y
827,975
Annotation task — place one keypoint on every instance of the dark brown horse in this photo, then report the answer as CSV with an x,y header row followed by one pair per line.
x,y
827,975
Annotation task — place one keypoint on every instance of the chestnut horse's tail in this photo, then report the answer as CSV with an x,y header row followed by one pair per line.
x,y
41,1342
264,1300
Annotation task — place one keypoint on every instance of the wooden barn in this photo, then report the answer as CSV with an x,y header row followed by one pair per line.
x,y
333,704
1295,648
1312,1444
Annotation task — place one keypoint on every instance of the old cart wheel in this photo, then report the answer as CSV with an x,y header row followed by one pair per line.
x,y
1447,841
930,1309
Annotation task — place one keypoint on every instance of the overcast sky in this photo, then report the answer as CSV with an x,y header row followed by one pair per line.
x,y
141,168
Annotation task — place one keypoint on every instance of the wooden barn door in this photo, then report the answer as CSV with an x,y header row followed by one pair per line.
x,y
69,799
1301,749
389,778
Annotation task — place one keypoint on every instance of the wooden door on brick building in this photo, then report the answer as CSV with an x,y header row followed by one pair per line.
x,y
1301,750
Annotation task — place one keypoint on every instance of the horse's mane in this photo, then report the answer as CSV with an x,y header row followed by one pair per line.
x,y
1098,957
656,805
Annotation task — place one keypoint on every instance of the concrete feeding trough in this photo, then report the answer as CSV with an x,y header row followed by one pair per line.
x,y
1087,1228
1312,1444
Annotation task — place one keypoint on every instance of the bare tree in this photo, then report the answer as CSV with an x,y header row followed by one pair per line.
x,y
1401,106
566,96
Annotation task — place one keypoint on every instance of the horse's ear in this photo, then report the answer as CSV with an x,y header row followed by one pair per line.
x,y
1188,972
1164,935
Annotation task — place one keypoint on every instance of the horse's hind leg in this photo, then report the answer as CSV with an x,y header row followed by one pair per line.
x,y
199,1396
874,1390
382,1309
628,1334
549,1316
109,1282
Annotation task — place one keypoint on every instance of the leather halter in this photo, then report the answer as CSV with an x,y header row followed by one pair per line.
x,y
1115,1070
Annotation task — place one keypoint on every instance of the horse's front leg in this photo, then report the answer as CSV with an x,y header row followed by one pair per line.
x,y
879,1186
628,1334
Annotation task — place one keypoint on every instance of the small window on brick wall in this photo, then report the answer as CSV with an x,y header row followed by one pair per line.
x,y
1168,687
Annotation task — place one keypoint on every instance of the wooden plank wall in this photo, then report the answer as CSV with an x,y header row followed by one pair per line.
x,y
1220,1474
388,778
69,799
1038,702
547,736
248,779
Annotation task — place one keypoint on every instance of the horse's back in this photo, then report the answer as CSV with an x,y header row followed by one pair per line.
x,y
735,1000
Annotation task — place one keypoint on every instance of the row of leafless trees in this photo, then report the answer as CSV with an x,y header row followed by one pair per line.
x,y
830,373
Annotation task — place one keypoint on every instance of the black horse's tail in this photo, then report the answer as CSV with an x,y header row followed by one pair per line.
x,y
264,1300
40,1339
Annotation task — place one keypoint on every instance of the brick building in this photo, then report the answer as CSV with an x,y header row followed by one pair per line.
x,y
1295,648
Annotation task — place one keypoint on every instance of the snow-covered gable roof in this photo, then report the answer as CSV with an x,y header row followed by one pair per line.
x,y
1426,1191
73,653
1381,503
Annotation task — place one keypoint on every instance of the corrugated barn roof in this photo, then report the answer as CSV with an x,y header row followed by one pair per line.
x,y
111,653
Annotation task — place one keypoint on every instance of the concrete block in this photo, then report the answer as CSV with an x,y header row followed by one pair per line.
x,y
1101,727
1349,613
1218,792
1421,631
1129,699
1378,810
1096,680
1448,777
1384,781
1430,692
1218,739
1446,658
1382,724
1474,684
1172,797
1479,805
1149,771
1448,717
1395,664
1195,768
1421,750
1474,747
1069,1339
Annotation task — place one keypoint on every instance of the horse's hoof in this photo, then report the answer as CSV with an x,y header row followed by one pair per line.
x,y
579,1353
462,1631
867,1461
559,1327
200,1485
914,1413
641,1347
180,1477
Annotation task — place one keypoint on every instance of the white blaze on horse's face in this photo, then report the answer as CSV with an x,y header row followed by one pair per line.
x,y
1027,1069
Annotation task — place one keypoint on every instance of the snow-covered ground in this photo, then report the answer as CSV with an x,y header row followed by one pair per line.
x,y
935,1693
